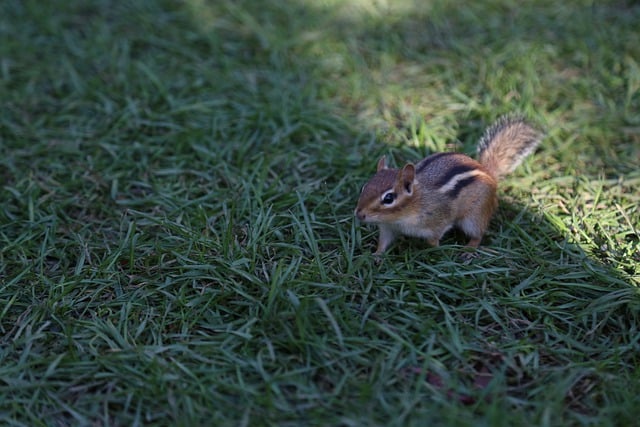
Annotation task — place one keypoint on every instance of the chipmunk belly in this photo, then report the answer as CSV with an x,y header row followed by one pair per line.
x,y
414,227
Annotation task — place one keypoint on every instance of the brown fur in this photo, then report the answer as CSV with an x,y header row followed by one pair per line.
x,y
445,190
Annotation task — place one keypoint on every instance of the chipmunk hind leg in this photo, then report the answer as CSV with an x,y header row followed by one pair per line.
x,y
476,221
473,230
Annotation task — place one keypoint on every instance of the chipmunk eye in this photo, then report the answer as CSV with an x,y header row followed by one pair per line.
x,y
388,198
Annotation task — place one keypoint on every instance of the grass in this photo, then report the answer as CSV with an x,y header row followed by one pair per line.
x,y
177,244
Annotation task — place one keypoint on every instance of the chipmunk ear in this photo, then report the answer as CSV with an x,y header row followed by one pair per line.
x,y
382,164
407,176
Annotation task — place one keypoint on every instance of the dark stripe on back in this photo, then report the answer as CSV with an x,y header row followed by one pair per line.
x,y
451,173
453,193
426,162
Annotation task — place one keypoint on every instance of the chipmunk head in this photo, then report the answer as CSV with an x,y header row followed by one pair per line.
x,y
387,193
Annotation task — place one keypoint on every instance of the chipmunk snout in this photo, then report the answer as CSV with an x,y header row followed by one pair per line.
x,y
359,214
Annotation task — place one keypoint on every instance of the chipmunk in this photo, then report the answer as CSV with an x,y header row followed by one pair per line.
x,y
445,190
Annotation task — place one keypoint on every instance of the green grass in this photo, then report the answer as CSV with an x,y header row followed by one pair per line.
x,y
177,243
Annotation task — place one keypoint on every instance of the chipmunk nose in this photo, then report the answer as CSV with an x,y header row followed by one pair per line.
x,y
359,214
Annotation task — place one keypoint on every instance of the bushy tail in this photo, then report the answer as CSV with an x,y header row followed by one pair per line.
x,y
506,143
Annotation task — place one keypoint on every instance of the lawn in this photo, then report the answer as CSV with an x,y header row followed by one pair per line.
x,y
177,240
